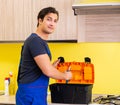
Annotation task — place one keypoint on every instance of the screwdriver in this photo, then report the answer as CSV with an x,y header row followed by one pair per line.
x,y
69,68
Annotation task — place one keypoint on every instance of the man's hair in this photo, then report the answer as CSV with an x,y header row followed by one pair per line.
x,y
46,11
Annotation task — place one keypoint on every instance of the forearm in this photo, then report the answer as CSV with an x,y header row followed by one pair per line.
x,y
56,74
49,70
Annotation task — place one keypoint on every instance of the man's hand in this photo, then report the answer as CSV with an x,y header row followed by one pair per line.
x,y
68,75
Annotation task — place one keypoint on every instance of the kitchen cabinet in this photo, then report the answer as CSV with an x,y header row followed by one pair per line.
x,y
18,18
66,28
98,22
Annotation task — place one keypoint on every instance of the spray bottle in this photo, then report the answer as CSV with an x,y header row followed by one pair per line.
x,y
11,86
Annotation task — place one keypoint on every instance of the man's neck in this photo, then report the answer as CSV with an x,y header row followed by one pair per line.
x,y
41,34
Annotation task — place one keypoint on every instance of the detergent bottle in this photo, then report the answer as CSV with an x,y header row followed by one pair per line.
x,y
6,84
11,85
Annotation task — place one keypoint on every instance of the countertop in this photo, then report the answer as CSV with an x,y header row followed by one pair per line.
x,y
7,100
10,100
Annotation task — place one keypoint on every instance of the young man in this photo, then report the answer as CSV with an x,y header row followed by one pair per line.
x,y
35,66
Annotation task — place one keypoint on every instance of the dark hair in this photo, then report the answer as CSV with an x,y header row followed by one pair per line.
x,y
45,11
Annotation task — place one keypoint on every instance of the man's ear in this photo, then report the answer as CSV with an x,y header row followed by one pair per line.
x,y
40,21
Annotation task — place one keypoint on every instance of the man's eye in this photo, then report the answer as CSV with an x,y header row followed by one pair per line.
x,y
48,19
55,21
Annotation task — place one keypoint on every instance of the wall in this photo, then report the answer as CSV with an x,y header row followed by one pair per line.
x,y
9,60
104,56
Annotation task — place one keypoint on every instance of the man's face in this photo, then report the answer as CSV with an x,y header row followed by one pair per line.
x,y
49,23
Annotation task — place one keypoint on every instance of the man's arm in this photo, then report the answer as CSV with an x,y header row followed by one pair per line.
x,y
49,70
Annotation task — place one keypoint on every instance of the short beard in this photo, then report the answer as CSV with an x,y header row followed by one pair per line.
x,y
48,32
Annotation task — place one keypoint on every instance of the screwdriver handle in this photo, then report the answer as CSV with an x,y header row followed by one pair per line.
x,y
68,70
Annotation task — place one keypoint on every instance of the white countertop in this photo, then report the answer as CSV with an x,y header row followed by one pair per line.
x,y
7,99
10,100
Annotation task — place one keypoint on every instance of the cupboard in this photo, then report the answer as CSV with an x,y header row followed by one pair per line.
x,y
18,19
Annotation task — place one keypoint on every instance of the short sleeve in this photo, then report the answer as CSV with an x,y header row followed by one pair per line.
x,y
37,46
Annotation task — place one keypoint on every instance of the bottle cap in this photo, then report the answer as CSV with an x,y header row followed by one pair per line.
x,y
6,78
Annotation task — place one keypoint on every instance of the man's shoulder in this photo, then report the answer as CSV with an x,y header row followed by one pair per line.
x,y
33,37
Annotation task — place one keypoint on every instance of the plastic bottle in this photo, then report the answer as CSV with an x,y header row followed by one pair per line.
x,y
6,86
11,85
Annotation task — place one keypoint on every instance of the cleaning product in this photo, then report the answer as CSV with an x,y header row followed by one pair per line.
x,y
6,83
11,85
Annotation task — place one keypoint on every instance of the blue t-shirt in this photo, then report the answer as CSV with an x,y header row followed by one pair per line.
x,y
28,69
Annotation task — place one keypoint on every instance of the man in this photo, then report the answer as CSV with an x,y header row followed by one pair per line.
x,y
35,66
